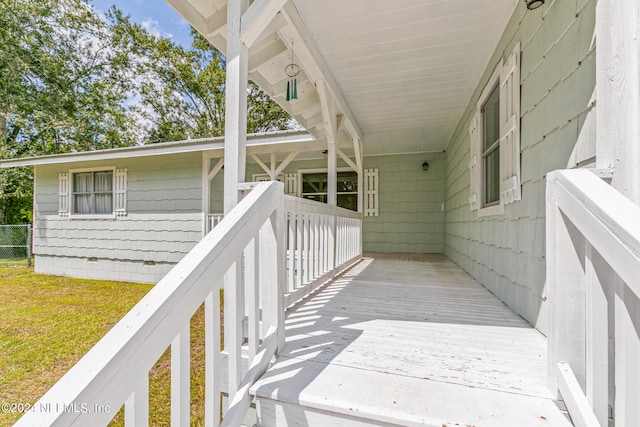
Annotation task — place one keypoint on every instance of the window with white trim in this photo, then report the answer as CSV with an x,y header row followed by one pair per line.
x,y
495,141
93,192
313,186
290,181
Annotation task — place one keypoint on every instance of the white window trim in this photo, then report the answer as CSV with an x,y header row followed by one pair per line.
x,y
510,186
322,170
326,170
73,215
258,177
495,208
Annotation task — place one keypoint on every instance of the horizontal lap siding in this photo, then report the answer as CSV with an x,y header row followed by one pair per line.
x,y
411,218
163,222
506,252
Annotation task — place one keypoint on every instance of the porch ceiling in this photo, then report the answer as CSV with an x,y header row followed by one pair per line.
x,y
399,73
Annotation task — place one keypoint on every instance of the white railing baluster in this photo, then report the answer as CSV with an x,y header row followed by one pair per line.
x,y
299,248
312,254
597,330
136,408
325,252
627,353
307,249
212,359
181,378
316,247
332,243
251,259
291,251
233,320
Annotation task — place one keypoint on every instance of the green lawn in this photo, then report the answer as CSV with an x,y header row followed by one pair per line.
x,y
13,262
49,322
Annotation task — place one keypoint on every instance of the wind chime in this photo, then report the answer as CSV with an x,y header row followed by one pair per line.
x,y
292,71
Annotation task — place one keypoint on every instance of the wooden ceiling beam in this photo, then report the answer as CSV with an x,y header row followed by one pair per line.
x,y
257,18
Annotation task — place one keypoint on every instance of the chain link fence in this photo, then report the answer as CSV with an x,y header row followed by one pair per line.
x,y
15,245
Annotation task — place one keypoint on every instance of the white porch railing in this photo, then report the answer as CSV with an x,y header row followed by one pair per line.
x,y
593,279
249,243
213,220
321,241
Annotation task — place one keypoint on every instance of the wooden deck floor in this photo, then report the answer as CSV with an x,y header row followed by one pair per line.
x,y
402,341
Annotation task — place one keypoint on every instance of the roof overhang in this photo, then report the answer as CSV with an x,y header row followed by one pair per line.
x,y
281,142
396,75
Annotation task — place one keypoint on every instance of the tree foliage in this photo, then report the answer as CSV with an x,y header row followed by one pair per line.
x,y
181,89
75,80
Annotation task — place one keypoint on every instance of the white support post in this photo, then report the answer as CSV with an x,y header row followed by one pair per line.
x,y
566,289
618,147
618,91
328,108
272,173
206,193
181,378
332,175
235,153
235,149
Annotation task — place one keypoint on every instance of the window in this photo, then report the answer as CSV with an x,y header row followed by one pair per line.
x,y
93,192
314,187
490,113
495,141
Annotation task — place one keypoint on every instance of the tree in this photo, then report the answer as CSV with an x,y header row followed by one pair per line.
x,y
62,88
182,89
62,83
71,80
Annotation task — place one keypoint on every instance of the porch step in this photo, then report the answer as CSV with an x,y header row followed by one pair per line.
x,y
296,393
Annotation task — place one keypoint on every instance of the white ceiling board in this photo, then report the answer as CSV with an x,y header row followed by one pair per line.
x,y
401,71
406,68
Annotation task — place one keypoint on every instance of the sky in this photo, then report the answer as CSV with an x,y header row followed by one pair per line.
x,y
154,15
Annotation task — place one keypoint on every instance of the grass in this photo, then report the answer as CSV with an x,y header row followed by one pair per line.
x,y
13,262
49,323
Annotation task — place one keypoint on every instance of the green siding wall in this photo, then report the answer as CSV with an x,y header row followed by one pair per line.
x,y
163,222
411,216
506,252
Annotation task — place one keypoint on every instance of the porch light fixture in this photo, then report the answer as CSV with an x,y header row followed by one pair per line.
x,y
292,70
533,4
425,166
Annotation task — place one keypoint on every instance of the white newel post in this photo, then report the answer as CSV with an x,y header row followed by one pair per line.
x,y
272,273
565,279
234,173
618,147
